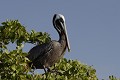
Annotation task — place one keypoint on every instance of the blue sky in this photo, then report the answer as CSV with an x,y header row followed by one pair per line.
x,y
93,27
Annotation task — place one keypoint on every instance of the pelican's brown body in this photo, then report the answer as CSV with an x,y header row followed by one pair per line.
x,y
50,53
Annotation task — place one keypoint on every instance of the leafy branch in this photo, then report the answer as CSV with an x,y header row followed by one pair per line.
x,y
13,64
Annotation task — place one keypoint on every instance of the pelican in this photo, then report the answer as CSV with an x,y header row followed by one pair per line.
x,y
46,55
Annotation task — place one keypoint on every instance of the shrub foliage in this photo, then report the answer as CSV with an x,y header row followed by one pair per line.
x,y
13,64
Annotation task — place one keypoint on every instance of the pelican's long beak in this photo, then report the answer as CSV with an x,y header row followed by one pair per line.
x,y
67,40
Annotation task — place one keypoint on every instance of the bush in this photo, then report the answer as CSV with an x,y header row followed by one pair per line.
x,y
13,64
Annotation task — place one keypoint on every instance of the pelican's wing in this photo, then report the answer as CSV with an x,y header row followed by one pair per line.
x,y
39,50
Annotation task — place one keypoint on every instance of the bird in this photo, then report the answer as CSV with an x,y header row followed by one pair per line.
x,y
47,54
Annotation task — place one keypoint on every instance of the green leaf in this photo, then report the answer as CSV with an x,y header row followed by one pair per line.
x,y
13,67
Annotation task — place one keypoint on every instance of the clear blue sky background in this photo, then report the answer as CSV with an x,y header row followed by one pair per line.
x,y
93,28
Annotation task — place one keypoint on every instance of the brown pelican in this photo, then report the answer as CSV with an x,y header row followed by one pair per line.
x,y
45,55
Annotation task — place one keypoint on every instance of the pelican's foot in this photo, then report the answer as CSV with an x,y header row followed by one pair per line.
x,y
48,69
54,71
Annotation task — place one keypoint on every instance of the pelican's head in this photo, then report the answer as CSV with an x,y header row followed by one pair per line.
x,y
60,26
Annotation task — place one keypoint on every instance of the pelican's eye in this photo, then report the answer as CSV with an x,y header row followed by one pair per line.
x,y
61,20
